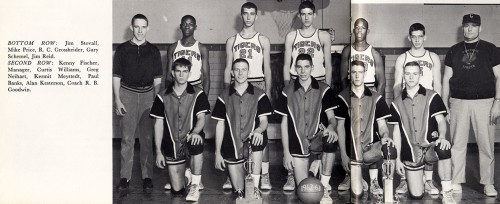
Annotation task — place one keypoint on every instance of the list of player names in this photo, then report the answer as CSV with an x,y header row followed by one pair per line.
x,y
36,65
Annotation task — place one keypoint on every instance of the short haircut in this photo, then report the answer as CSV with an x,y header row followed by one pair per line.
x,y
412,63
304,57
248,5
188,17
139,16
358,63
362,20
239,60
307,4
416,27
181,62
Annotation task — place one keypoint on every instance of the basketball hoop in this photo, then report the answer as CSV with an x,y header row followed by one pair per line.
x,y
284,20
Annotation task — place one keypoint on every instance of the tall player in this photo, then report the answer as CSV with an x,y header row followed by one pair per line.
x,y
197,53
362,51
308,40
312,41
430,79
188,47
255,48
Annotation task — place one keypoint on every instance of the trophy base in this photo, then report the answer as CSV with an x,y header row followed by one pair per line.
x,y
388,191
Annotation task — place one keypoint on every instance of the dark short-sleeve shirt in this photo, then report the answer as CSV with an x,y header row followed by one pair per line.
x,y
180,111
472,65
362,113
137,65
416,117
241,112
305,110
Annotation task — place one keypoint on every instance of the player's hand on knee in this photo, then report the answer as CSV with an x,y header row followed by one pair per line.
x,y
443,144
331,134
195,139
257,138
400,169
120,108
219,162
288,161
160,161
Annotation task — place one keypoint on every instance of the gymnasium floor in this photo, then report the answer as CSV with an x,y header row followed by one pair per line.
x,y
213,180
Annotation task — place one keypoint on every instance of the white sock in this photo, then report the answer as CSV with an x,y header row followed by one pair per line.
x,y
373,174
265,167
195,179
325,180
446,185
256,179
428,175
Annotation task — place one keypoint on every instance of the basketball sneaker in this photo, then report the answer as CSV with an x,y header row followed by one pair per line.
x,y
403,187
194,193
430,188
188,175
265,183
448,197
227,185
375,188
346,183
490,191
326,197
290,183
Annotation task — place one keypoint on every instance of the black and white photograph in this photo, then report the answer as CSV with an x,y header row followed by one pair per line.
x,y
249,101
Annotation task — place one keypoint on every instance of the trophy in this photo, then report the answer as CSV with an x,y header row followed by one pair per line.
x,y
249,182
388,174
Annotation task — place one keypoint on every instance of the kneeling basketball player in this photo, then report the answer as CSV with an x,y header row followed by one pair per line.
x,y
418,115
180,117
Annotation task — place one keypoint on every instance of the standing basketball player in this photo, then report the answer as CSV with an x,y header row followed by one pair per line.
x,y
255,48
312,41
362,51
189,48
136,80
471,85
430,79
308,40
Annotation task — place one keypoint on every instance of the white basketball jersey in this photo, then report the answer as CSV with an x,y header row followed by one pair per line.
x,y
251,50
312,46
426,63
365,56
193,55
